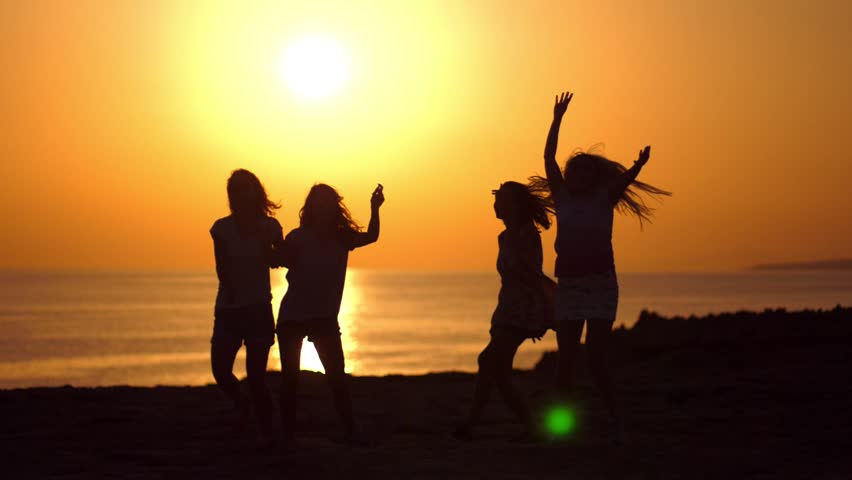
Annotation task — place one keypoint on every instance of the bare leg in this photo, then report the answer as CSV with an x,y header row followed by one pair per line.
x,y
568,341
256,359
505,348
598,340
290,348
485,380
495,369
223,351
330,351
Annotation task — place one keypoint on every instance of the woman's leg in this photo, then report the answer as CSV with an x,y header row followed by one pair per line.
x,y
257,355
330,352
568,335
290,349
485,380
598,341
223,351
495,368
505,347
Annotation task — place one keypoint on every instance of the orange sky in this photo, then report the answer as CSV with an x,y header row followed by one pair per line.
x,y
121,121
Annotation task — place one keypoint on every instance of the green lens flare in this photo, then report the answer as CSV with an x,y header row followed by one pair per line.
x,y
560,421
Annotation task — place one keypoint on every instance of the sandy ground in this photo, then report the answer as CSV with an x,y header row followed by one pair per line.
x,y
738,404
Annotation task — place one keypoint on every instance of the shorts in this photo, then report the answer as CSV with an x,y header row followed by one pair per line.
x,y
250,324
324,333
315,327
587,297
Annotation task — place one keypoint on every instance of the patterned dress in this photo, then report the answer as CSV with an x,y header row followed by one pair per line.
x,y
523,305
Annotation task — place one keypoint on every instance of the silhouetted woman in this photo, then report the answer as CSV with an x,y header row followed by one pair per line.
x,y
243,242
584,196
316,256
523,310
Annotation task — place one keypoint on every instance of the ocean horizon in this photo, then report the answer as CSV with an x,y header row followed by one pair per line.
x,y
153,328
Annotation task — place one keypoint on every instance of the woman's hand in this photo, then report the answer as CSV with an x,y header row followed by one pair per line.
x,y
644,155
561,104
372,234
378,197
554,174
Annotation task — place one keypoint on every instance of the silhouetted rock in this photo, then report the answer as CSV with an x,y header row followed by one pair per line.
x,y
655,335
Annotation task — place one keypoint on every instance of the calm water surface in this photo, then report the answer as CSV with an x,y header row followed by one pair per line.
x,y
92,329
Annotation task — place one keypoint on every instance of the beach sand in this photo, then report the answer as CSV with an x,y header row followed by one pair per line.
x,y
739,396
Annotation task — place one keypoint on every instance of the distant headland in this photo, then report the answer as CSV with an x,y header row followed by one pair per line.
x,y
840,264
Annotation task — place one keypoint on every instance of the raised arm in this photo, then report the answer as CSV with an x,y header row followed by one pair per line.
x,y
626,178
551,168
372,233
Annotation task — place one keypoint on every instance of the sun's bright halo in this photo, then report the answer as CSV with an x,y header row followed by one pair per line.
x,y
315,67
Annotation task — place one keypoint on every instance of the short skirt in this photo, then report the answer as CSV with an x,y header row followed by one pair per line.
x,y
587,297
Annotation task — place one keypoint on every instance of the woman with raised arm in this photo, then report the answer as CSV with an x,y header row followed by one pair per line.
x,y
316,255
585,195
243,243
524,310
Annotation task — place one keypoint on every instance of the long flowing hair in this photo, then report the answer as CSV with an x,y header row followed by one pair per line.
x,y
533,199
600,171
322,199
259,203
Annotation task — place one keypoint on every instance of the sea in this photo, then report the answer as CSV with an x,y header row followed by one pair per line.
x,y
89,329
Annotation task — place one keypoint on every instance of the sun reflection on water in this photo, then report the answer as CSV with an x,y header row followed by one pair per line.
x,y
349,306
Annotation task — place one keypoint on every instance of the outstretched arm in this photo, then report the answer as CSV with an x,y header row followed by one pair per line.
x,y
372,233
624,181
551,168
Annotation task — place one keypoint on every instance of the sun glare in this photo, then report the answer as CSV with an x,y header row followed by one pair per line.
x,y
315,67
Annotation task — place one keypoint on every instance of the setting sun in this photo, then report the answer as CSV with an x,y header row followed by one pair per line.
x,y
315,67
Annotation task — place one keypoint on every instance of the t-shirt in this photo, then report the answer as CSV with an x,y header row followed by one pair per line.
x,y
246,257
583,233
315,276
